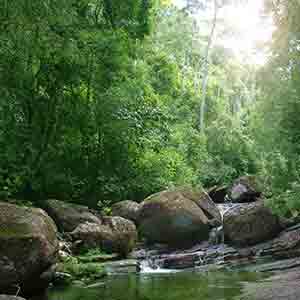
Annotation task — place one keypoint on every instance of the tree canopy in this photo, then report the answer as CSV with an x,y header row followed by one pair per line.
x,y
100,101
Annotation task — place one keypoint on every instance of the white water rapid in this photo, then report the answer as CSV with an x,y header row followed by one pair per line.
x,y
148,266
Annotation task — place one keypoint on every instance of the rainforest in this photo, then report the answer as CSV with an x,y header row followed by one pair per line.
x,y
156,135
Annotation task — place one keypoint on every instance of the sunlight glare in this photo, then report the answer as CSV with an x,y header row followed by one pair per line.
x,y
247,29
250,30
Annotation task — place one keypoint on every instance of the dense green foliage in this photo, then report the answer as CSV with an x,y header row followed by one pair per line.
x,y
99,102
275,121
75,111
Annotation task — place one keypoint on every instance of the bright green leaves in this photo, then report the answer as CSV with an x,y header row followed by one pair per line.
x,y
275,124
132,15
62,65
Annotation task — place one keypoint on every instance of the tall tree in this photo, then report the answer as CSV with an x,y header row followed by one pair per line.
x,y
206,68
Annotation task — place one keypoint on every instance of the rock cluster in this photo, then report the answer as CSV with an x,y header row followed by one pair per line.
x,y
175,218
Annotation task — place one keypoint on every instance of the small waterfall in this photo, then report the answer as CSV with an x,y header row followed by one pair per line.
x,y
154,264
146,267
225,207
150,266
216,236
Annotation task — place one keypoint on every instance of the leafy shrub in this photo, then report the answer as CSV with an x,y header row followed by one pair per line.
x,y
287,203
83,271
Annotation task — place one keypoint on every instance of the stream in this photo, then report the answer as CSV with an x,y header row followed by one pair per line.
x,y
212,271
186,285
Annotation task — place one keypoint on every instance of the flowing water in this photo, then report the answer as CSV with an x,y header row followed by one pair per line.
x,y
189,285
156,283
217,234
148,266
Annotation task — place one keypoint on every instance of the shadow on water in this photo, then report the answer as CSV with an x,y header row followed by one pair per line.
x,y
177,286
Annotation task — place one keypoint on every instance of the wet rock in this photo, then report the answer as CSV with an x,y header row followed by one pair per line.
x,y
218,194
62,278
276,265
126,266
28,246
55,277
255,258
249,224
177,217
286,223
245,189
179,261
284,286
285,245
145,251
115,234
126,209
68,216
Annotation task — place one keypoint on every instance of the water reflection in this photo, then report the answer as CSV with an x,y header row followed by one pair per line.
x,y
177,286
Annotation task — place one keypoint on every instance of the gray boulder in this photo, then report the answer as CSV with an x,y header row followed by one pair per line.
x,y
68,216
126,209
250,223
115,234
177,216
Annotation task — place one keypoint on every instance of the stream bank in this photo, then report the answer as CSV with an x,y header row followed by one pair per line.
x,y
175,231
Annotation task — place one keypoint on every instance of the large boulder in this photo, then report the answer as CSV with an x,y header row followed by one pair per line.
x,y
245,189
178,216
68,216
28,246
250,223
126,209
115,234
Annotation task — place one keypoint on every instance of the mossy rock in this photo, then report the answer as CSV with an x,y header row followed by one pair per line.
x,y
250,223
178,216
68,216
28,245
126,209
114,235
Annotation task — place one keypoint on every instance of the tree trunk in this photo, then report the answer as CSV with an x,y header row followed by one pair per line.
x,y
206,70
